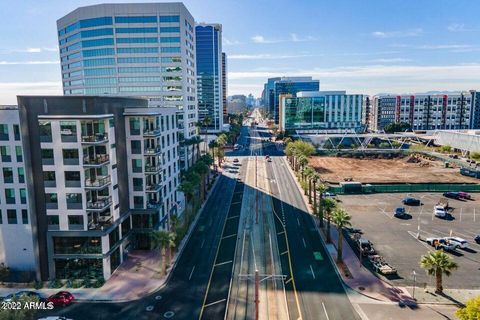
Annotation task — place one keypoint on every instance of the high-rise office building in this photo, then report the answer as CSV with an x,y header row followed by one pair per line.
x,y
224,86
144,49
209,74
101,175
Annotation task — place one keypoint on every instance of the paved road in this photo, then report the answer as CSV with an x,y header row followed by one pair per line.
x,y
319,292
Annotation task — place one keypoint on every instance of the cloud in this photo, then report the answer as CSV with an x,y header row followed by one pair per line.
x,y
267,56
390,60
30,50
452,47
228,42
293,38
398,34
29,62
10,90
456,27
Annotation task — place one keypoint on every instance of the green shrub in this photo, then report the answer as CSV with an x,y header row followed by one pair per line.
x,y
99,282
445,149
38,285
55,284
77,283
475,156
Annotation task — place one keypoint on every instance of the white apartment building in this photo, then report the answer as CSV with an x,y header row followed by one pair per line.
x,y
104,174
144,49
16,234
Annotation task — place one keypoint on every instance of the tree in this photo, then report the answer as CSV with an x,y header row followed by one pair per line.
x,y
208,161
309,172
201,169
446,149
302,162
321,188
206,123
212,145
188,188
471,311
161,240
21,313
437,263
329,205
397,127
341,219
475,156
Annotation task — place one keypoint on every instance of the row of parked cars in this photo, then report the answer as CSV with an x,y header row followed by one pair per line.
x,y
61,298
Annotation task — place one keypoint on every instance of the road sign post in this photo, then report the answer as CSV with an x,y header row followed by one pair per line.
x,y
414,275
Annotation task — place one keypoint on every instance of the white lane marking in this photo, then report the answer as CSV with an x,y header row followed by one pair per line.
x,y
304,244
298,221
313,274
211,304
325,310
191,273
202,243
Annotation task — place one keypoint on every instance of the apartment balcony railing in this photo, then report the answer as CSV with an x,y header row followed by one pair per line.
x,y
95,138
152,150
96,160
99,222
98,183
100,203
154,204
152,132
153,188
152,169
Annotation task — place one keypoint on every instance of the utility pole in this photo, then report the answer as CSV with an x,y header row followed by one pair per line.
x,y
257,301
414,275
256,192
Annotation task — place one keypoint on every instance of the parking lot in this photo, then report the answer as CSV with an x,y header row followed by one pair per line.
x,y
396,239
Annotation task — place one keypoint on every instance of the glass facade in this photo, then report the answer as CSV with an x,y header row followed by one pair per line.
x,y
292,86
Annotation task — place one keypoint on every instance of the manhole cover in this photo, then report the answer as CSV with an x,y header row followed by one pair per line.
x,y
149,308
158,297
169,314
361,288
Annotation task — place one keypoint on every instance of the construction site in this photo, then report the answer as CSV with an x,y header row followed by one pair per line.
x,y
387,168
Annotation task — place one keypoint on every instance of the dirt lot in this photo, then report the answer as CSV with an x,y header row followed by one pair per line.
x,y
399,170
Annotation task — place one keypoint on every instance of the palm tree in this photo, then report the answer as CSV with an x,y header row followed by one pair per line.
x,y
201,169
208,160
212,145
222,141
329,205
206,122
309,172
341,219
438,263
321,188
188,187
162,239
302,162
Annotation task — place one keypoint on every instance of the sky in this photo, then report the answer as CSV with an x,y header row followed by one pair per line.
x,y
366,47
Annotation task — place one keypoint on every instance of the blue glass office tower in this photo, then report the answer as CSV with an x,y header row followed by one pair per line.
x,y
209,74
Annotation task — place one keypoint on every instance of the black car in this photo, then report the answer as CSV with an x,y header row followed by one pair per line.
x,y
452,195
401,213
409,201
477,238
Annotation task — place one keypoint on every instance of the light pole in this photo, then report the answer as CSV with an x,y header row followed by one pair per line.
x,y
414,275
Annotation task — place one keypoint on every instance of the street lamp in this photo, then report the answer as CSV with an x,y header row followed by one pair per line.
x,y
414,275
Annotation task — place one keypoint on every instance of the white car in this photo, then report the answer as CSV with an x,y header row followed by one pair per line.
x,y
440,211
462,243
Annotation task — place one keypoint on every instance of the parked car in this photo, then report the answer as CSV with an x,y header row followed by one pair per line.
x,y
410,201
366,247
477,238
236,160
462,243
442,243
354,230
21,294
464,195
61,298
452,195
440,211
331,195
401,213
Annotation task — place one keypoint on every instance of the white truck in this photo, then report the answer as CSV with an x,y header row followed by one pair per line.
x,y
442,243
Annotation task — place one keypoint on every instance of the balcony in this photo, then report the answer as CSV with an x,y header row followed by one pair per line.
x,y
96,160
97,138
152,151
153,188
100,204
151,132
152,169
154,205
99,182
99,222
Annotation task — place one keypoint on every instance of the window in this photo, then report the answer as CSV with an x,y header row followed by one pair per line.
x,y
137,40
97,33
47,157
169,29
51,200
98,91
171,59
171,69
171,50
140,19
138,69
49,179
5,153
70,156
10,196
136,30
74,201
137,184
16,132
21,175
23,196
68,131
95,22
134,126
1,218
98,62
138,60
140,79
140,89
7,175
169,39
138,50
45,128
3,132
98,52
53,222
12,216
136,146
100,81
97,43
138,202
72,179
136,165
75,222
169,18
24,216
99,72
